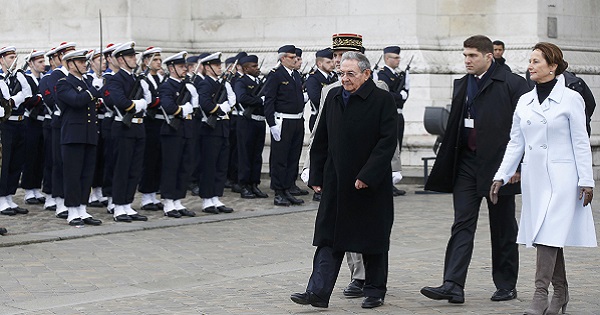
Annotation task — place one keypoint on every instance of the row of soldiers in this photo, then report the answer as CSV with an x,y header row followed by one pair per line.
x,y
100,125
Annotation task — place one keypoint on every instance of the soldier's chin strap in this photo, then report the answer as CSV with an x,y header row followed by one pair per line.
x,y
127,63
181,77
76,67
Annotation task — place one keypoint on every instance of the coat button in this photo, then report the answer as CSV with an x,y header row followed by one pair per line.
x,y
89,121
544,121
544,146
530,148
529,122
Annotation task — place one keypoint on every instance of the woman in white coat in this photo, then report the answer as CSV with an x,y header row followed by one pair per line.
x,y
549,135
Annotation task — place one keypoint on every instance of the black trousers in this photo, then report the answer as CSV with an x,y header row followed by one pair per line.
x,y
177,165
98,179
285,154
503,228
78,176
214,153
232,167
400,130
251,142
33,168
128,145
194,178
326,267
57,164
47,133
13,156
151,168
108,156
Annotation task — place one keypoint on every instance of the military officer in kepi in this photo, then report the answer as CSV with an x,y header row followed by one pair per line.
x,y
250,128
216,99
78,137
128,139
178,98
284,112
15,91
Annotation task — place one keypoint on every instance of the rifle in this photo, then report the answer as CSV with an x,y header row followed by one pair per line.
x,y
377,64
409,62
220,96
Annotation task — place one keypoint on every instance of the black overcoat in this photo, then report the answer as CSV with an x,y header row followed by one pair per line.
x,y
494,104
351,142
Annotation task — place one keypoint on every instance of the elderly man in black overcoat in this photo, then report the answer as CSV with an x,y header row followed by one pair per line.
x,y
354,142
478,131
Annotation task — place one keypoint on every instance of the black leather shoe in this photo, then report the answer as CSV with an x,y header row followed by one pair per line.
x,y
236,188
448,291
8,211
225,209
257,192
149,207
173,214
309,298
159,206
280,199
3,231
504,295
354,289
138,217
371,302
122,218
296,191
92,221
246,193
317,197
292,199
398,192
51,208
41,199
63,215
212,210
19,210
32,201
76,222
95,204
187,213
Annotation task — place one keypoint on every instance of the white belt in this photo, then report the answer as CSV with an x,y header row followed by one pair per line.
x,y
40,118
108,114
16,118
236,112
47,116
133,120
56,113
26,114
101,116
159,116
289,116
258,117
399,110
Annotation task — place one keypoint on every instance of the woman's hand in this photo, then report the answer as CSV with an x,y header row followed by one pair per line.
x,y
317,189
587,193
359,184
494,190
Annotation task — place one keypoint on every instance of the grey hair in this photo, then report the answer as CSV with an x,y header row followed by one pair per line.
x,y
363,62
281,55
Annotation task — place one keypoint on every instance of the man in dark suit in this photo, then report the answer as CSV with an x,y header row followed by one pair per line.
x,y
478,130
78,137
127,141
498,54
250,128
354,142
317,80
284,109
397,82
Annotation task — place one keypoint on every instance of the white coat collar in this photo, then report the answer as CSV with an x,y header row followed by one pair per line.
x,y
555,96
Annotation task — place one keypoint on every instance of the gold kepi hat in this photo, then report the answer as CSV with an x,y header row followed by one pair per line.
x,y
346,41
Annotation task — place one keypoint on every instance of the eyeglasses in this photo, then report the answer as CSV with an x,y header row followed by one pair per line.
x,y
350,74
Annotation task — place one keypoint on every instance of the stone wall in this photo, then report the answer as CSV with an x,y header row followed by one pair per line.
x,y
430,30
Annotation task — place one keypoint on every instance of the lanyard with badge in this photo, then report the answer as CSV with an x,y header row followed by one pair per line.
x,y
469,121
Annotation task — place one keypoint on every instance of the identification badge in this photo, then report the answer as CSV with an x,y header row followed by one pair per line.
x,y
469,123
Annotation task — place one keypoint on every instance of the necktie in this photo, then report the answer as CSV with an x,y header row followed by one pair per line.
x,y
296,77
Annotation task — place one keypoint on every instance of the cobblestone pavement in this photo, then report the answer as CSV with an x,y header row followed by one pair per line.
x,y
248,262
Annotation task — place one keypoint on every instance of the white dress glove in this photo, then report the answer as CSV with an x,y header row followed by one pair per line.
x,y
19,98
305,97
406,80
275,132
195,101
225,107
186,109
140,105
2,112
404,94
263,98
396,177
98,83
304,175
147,93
